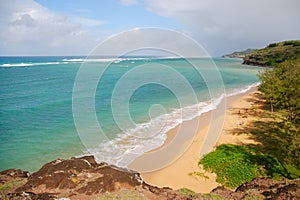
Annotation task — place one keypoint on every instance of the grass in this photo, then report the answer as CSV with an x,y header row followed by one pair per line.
x,y
210,196
11,184
276,155
121,194
198,175
235,165
186,191
191,194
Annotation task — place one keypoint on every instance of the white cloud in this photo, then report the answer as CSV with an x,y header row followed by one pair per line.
x,y
224,26
27,28
220,26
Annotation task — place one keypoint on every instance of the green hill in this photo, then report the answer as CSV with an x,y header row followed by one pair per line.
x,y
274,54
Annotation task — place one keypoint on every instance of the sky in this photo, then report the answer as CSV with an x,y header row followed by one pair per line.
x,y
76,27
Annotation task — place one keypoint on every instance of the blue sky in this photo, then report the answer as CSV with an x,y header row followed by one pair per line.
x,y
117,15
75,27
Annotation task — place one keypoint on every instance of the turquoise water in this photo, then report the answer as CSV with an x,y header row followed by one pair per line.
x,y
36,116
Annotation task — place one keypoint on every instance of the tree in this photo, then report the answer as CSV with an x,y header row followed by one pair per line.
x,y
281,87
267,87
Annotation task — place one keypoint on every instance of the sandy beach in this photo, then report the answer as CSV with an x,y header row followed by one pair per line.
x,y
182,170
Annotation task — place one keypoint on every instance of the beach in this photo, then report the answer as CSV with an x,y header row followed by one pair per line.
x,y
184,171
38,110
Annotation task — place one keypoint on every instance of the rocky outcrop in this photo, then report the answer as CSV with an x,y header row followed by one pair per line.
x,y
80,175
262,188
12,174
11,179
83,178
78,178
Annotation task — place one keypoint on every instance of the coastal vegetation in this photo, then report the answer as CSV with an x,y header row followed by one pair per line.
x,y
281,87
255,170
192,195
274,54
121,194
275,156
276,129
235,165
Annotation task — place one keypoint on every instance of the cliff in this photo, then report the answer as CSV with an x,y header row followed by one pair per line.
x,y
83,178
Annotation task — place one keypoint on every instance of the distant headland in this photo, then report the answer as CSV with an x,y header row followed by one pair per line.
x,y
270,56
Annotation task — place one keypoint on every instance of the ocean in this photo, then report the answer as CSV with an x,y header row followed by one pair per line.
x,y
45,110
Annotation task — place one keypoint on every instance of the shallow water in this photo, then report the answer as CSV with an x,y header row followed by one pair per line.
x,y
36,114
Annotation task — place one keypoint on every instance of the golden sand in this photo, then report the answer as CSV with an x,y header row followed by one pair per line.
x,y
184,171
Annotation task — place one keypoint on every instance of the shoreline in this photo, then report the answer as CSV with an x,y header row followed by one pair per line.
x,y
183,158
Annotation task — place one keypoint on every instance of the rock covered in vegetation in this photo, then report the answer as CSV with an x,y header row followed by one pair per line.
x,y
11,174
261,188
77,178
80,175
11,179
274,54
83,178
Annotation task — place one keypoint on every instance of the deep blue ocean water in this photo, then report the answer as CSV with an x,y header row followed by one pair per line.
x,y
36,116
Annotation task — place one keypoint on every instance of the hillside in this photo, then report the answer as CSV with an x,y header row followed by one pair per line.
x,y
274,54
239,54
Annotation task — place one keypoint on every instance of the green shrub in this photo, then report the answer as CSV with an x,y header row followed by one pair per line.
x,y
293,43
272,45
274,54
186,191
235,165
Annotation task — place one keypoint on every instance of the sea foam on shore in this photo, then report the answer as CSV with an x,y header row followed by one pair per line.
x,y
37,95
129,145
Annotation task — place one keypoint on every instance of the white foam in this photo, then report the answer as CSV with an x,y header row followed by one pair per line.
x,y
243,90
147,136
74,60
114,60
81,60
28,64
16,65
131,144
